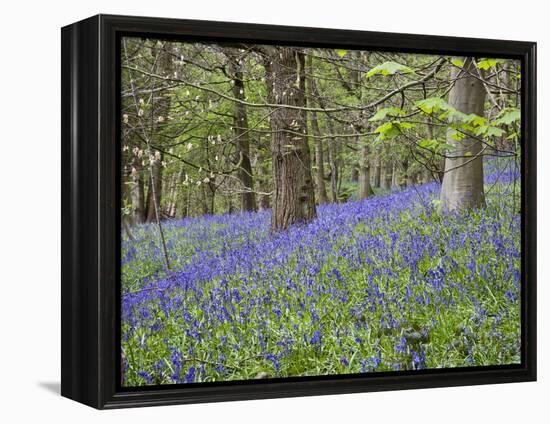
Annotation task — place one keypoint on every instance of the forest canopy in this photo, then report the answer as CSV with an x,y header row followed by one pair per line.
x,y
212,128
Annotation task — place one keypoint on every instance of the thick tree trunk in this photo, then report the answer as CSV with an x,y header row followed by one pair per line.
x,y
463,182
240,129
293,188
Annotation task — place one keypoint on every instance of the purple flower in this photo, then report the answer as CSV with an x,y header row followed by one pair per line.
x,y
316,339
190,376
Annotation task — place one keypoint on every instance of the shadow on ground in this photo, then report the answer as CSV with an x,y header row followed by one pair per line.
x,y
51,386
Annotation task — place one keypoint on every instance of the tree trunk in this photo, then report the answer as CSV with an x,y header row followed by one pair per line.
x,y
293,189
385,175
395,177
204,200
463,182
376,176
332,164
263,183
355,173
410,177
154,188
318,142
137,193
240,129
159,113
365,189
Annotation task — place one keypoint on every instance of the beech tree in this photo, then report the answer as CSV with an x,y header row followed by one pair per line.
x,y
463,180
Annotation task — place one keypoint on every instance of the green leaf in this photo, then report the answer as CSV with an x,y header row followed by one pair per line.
x,y
454,115
488,63
489,131
432,104
392,129
456,135
389,68
475,120
507,116
457,62
387,130
434,145
341,52
385,112
427,143
405,125
468,154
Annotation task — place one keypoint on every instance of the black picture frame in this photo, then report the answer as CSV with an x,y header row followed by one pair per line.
x,y
91,219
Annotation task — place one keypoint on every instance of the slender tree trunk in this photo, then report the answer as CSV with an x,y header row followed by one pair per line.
x,y
241,131
155,189
395,177
463,183
293,188
386,175
365,189
376,172
263,184
175,192
355,173
318,142
332,164
160,109
410,177
204,199
137,193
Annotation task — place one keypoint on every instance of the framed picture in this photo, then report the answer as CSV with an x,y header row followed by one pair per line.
x,y
255,211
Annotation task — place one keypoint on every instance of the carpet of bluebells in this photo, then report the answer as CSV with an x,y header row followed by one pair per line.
x,y
387,283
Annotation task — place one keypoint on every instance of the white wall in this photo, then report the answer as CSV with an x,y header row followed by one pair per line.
x,y
30,198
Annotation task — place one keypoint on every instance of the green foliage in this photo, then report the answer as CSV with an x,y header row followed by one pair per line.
x,y
434,145
488,63
507,116
385,112
457,62
392,129
489,131
432,105
456,135
341,52
389,68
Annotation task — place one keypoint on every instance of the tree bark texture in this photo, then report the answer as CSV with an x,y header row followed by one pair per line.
x,y
241,131
293,188
462,186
